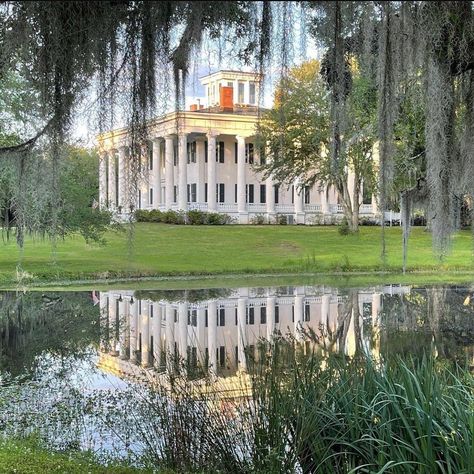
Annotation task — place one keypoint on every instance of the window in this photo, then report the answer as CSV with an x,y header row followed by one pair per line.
x,y
206,318
175,315
205,192
241,92
139,306
263,315
150,197
221,356
206,151
277,315
292,194
192,317
150,158
175,193
191,152
263,194
139,199
293,314
175,155
235,192
249,188
220,152
236,152
249,153
152,348
220,192
150,310
307,312
230,84
306,195
191,192
236,316
221,317
252,93
276,189
366,193
250,316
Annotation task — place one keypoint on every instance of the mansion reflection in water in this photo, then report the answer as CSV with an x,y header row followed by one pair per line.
x,y
219,333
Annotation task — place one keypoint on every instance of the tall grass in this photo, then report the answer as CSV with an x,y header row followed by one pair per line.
x,y
315,414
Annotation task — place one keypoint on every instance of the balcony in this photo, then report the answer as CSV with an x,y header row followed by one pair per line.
x,y
312,207
226,207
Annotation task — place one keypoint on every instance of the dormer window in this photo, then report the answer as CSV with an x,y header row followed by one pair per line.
x,y
241,89
252,93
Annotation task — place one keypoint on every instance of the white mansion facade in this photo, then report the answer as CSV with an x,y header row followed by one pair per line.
x,y
204,158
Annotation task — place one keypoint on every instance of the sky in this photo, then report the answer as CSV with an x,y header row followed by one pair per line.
x,y
212,56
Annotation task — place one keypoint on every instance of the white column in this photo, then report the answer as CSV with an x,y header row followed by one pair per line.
x,y
211,172
133,330
158,310
182,173
156,179
270,197
122,330
376,309
200,334
104,317
200,158
183,329
112,183
270,316
212,336
122,182
169,178
325,301
145,330
299,308
113,325
299,212
324,200
241,333
169,312
241,205
103,157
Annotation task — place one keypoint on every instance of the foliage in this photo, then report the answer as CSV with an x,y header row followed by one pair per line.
x,y
191,217
296,134
258,219
343,228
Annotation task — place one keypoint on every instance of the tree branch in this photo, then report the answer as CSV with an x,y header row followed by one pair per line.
x,y
28,143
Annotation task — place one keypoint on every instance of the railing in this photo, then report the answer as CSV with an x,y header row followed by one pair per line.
x,y
226,207
312,207
260,208
284,208
336,208
198,206
366,209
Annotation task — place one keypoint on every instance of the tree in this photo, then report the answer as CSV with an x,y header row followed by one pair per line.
x,y
296,134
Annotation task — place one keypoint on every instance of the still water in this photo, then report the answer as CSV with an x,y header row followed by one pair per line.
x,y
75,366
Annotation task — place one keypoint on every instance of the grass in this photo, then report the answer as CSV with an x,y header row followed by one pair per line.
x,y
168,250
24,457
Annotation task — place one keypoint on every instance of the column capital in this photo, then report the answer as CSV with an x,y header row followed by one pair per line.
x,y
212,134
169,136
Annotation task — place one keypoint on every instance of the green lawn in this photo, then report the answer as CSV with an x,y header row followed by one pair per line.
x,y
23,457
159,249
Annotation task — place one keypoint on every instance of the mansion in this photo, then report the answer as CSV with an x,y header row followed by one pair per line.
x,y
204,158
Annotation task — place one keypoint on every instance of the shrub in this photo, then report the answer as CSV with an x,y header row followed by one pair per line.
x,y
281,219
192,217
258,219
344,227
369,221
196,217
213,218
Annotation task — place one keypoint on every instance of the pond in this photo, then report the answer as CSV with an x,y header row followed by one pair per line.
x,y
76,367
